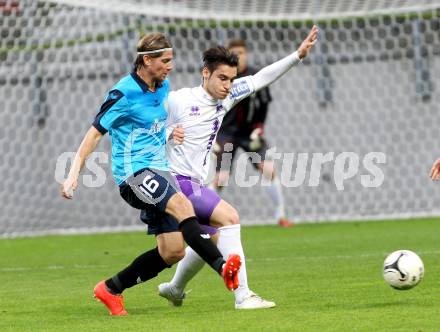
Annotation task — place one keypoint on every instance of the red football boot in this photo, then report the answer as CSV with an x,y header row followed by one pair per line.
x,y
285,223
230,272
114,303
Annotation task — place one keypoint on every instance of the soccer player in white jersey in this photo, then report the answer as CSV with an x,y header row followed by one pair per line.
x,y
194,118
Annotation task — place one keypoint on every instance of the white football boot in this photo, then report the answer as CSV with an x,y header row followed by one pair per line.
x,y
175,299
253,301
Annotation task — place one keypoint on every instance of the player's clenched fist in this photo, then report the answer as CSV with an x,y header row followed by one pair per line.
x,y
308,43
178,135
435,170
68,187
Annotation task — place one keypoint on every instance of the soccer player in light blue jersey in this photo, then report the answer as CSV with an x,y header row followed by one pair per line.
x,y
134,115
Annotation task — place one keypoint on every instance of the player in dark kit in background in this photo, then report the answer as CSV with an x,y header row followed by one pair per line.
x,y
243,127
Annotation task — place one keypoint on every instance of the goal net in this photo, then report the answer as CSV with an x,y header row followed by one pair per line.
x,y
369,86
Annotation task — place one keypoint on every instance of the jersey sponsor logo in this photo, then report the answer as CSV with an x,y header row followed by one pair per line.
x,y
156,127
240,89
205,236
194,110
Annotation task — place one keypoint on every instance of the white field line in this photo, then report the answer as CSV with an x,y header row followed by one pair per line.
x,y
262,259
311,219
52,267
381,254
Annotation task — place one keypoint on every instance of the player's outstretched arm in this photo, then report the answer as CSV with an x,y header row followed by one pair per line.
x,y
88,145
435,170
271,73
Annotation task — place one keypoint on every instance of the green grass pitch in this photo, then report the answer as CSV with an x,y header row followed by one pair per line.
x,y
323,277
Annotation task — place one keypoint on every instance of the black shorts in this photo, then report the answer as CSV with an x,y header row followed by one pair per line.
x,y
238,142
149,190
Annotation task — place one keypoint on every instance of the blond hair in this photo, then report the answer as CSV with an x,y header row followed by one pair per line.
x,y
151,42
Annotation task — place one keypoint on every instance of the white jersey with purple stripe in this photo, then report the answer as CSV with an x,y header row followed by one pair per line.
x,y
201,115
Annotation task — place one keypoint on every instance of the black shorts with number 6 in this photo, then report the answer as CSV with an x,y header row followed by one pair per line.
x,y
150,190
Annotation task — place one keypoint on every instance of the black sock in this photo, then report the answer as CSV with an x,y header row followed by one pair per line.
x,y
192,233
145,267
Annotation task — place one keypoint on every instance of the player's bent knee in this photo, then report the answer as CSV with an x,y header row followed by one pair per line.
x,y
222,179
267,169
271,176
234,218
224,215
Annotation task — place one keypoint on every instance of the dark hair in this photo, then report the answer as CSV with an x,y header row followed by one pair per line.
x,y
236,43
152,41
219,55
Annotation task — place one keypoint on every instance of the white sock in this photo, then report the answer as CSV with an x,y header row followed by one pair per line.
x,y
229,242
186,269
275,192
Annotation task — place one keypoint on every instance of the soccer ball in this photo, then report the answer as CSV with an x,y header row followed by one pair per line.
x,y
403,269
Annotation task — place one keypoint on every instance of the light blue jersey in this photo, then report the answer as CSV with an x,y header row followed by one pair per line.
x,y
135,118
